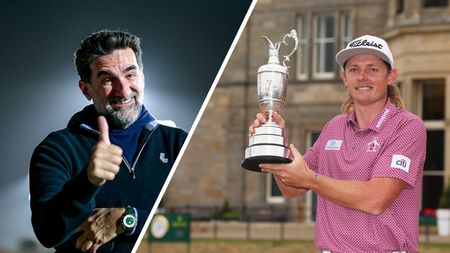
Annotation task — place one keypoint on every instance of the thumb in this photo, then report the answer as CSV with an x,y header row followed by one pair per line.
x,y
294,151
104,129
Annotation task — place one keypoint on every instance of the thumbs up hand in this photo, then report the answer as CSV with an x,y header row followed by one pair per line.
x,y
105,158
103,128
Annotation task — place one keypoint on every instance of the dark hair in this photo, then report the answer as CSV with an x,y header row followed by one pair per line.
x,y
103,43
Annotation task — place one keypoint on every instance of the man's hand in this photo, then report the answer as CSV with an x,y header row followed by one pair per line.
x,y
261,119
105,159
99,228
295,174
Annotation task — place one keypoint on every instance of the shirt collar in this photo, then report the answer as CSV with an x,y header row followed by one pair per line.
x,y
379,121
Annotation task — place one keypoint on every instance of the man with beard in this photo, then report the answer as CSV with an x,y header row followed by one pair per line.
x,y
93,184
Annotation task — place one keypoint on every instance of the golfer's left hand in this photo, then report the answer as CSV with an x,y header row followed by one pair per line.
x,y
295,174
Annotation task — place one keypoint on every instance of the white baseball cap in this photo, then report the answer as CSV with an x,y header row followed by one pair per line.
x,y
366,44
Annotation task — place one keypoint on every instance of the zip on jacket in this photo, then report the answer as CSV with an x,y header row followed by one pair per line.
x,y
131,168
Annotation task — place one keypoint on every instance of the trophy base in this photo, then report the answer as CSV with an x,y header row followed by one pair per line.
x,y
267,145
252,163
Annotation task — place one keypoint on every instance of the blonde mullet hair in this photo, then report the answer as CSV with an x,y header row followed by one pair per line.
x,y
393,94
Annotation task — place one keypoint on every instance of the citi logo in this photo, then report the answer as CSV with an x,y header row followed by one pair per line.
x,y
402,163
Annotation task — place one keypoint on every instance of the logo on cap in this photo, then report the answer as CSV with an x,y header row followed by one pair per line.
x,y
365,43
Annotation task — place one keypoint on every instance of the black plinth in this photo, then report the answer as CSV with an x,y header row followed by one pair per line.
x,y
252,163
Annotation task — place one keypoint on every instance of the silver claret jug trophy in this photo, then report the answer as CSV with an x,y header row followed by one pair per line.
x,y
269,143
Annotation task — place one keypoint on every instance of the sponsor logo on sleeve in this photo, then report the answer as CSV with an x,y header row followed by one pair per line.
x,y
333,145
400,162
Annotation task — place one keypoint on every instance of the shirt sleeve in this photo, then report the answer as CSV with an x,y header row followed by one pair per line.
x,y
60,202
312,155
142,218
403,155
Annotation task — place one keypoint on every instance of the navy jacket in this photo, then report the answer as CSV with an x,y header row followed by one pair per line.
x,y
62,198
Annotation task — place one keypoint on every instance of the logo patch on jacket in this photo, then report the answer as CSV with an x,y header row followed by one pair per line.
x,y
333,145
162,157
400,162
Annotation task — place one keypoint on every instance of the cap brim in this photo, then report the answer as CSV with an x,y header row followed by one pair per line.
x,y
345,54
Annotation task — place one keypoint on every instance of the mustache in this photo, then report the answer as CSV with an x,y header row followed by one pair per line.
x,y
115,99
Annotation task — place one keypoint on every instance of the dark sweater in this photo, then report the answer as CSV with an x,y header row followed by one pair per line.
x,y
62,198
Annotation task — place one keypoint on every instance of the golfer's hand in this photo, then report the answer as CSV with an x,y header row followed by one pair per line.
x,y
99,228
261,118
296,174
105,158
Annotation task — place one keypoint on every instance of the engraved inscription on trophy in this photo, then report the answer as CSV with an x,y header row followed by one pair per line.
x,y
269,143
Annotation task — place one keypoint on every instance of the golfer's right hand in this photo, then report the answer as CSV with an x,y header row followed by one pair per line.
x,y
261,118
105,158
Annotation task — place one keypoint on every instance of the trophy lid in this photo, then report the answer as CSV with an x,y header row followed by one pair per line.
x,y
271,67
273,64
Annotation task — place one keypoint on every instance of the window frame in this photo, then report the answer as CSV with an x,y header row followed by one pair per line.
x,y
307,59
303,51
310,216
272,199
434,4
319,42
432,125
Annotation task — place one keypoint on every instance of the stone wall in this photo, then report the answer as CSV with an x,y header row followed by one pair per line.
x,y
210,171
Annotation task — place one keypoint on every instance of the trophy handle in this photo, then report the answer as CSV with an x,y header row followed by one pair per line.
x,y
292,35
271,45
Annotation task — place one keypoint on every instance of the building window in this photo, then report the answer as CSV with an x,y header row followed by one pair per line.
x,y
325,38
431,108
435,3
400,6
433,179
273,193
433,100
320,37
311,196
346,33
303,48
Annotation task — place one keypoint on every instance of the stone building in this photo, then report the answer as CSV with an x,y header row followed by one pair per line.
x,y
418,32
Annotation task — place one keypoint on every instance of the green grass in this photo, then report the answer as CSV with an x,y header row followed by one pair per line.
x,y
257,246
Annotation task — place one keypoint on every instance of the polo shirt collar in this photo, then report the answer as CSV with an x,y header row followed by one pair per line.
x,y
379,121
